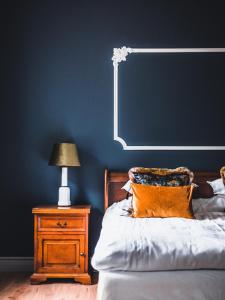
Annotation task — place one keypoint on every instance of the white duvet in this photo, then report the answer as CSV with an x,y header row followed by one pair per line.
x,y
149,244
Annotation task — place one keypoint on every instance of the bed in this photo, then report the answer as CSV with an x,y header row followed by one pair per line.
x,y
123,276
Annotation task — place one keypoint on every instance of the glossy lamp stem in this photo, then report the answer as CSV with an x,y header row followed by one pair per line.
x,y
64,190
64,181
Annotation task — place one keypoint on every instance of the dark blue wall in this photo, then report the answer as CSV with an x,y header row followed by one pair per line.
x,y
57,85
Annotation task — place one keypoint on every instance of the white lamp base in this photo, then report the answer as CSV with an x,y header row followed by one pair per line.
x,y
64,196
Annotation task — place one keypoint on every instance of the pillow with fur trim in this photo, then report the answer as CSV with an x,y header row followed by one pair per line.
x,y
161,177
222,174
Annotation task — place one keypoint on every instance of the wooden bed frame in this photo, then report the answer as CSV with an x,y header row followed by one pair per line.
x,y
199,282
114,180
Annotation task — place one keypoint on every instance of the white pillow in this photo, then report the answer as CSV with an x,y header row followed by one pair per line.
x,y
214,204
127,187
217,186
210,216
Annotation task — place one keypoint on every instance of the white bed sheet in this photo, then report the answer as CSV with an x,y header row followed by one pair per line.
x,y
150,244
162,285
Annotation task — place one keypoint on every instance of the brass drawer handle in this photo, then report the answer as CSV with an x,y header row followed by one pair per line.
x,y
82,254
61,225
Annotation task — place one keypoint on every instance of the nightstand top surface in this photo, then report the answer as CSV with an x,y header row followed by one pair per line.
x,y
49,209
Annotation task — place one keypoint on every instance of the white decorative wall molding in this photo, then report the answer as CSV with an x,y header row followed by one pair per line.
x,y
16,264
120,55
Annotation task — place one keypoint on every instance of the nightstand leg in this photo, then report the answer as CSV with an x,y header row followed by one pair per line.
x,y
37,278
84,279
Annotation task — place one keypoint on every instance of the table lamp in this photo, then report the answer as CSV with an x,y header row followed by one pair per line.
x,y
64,155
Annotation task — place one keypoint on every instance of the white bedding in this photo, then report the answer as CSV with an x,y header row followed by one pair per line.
x,y
149,244
168,285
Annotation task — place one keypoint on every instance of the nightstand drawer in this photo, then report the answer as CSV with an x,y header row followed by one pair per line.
x,y
61,223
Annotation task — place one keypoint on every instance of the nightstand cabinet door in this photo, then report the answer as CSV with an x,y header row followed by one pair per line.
x,y
61,253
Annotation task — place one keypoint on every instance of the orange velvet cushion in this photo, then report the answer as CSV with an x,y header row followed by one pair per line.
x,y
161,201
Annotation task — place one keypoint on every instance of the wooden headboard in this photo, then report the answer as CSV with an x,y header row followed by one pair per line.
x,y
115,180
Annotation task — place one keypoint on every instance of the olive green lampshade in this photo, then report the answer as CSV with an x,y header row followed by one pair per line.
x,y
64,155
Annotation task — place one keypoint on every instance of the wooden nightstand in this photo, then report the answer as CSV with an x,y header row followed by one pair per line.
x,y
61,243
